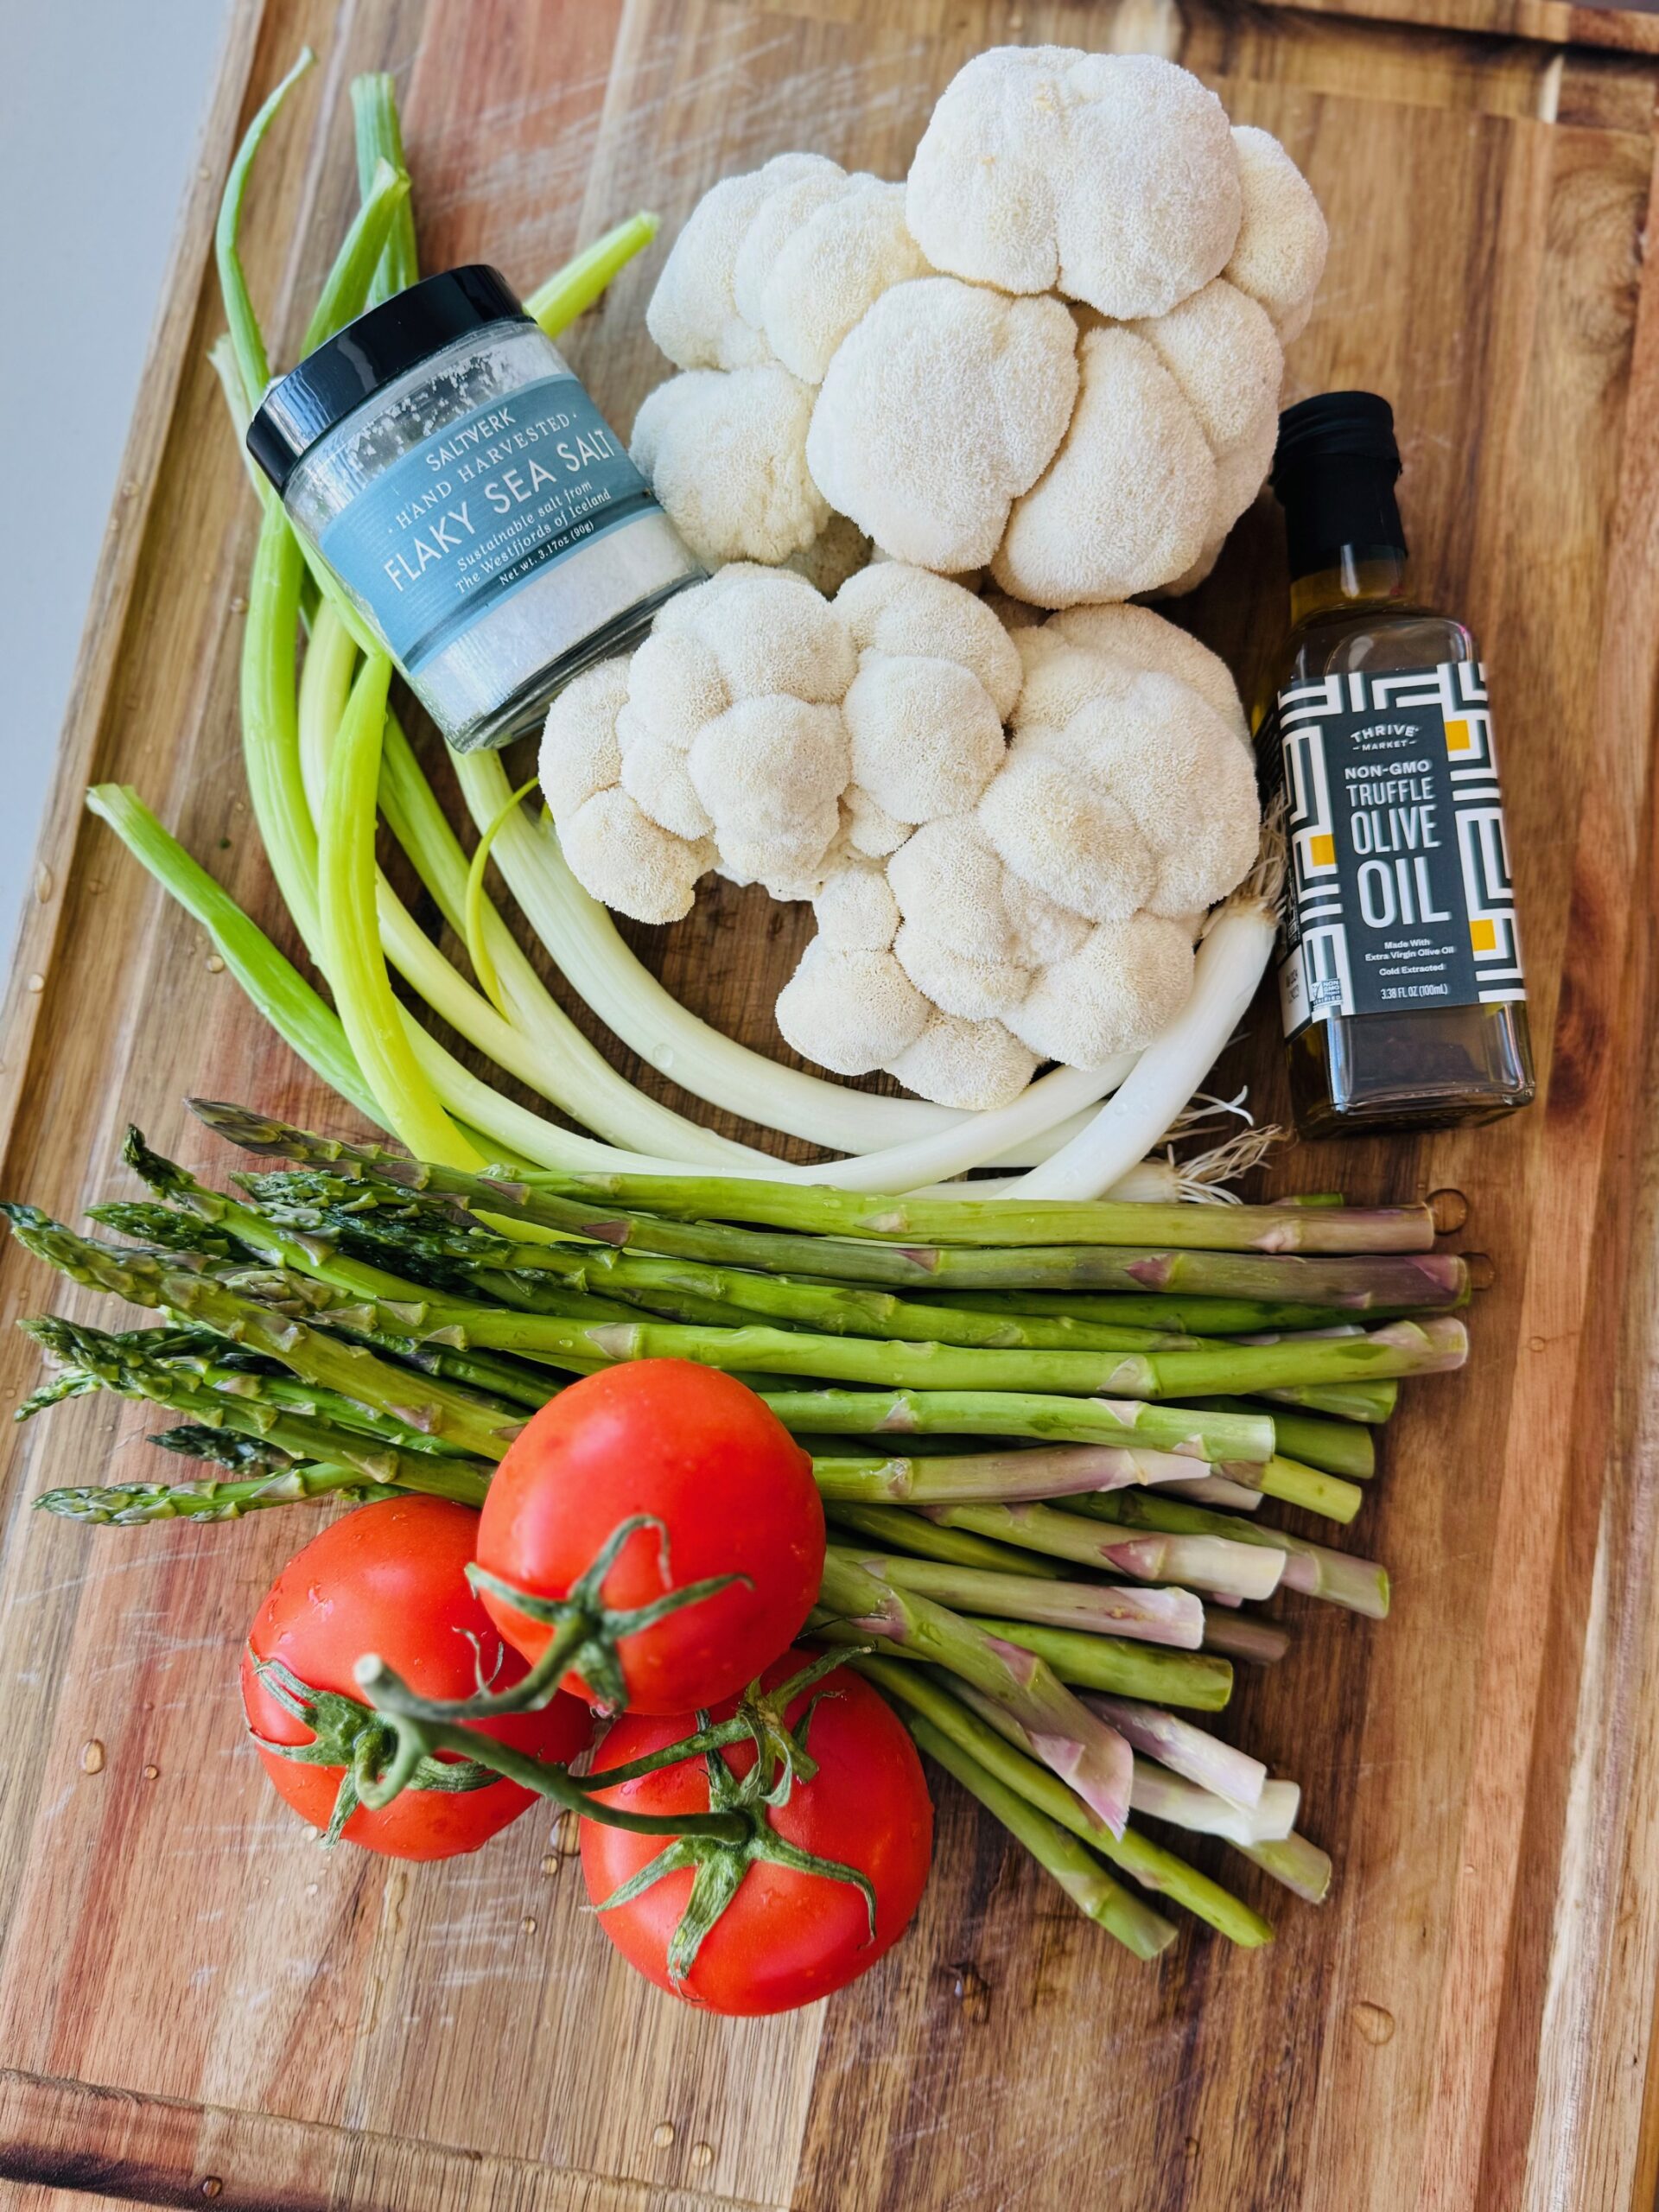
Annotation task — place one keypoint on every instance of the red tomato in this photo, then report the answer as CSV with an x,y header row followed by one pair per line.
x,y
732,1488
786,1937
391,1578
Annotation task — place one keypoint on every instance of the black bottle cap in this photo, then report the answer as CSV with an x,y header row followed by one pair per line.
x,y
370,353
1334,474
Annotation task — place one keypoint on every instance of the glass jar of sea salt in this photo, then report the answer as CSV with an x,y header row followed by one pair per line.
x,y
480,511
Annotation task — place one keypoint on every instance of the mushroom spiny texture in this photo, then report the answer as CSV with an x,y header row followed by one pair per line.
x,y
942,404
1128,498
725,454
1109,178
693,314
1279,255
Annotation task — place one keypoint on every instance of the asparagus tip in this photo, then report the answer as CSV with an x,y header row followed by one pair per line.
x,y
149,1165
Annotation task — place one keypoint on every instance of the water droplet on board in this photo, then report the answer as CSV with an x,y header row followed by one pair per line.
x,y
1373,2023
663,2134
152,1773
971,1989
528,1925
91,1757
211,2186
703,2154
36,983
215,965
45,883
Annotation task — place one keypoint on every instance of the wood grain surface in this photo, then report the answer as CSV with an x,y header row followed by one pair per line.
x,y
197,2004
1557,23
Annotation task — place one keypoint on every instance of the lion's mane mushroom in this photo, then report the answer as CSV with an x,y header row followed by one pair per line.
x,y
1056,352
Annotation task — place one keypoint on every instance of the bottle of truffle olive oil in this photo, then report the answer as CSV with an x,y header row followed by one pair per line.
x,y
1400,969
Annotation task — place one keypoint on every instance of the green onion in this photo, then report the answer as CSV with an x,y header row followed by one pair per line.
x,y
374,1019
275,986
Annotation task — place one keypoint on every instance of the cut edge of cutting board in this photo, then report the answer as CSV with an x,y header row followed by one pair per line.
x,y
152,2149
1546,22
157,2150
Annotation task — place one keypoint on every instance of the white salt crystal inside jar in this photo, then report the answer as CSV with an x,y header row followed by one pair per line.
x,y
481,514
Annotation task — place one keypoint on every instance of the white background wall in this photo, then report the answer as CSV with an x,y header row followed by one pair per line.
x,y
100,105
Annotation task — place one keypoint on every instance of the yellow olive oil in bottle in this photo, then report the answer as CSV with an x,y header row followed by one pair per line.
x,y
1400,969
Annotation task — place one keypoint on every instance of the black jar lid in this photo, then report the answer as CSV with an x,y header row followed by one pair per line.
x,y
370,353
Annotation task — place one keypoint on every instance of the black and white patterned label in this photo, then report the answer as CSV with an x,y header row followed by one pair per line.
x,y
1398,893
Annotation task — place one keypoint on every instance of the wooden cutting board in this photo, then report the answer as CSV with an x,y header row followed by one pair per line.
x,y
197,2004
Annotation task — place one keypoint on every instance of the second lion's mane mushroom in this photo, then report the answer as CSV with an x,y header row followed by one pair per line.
x,y
1009,838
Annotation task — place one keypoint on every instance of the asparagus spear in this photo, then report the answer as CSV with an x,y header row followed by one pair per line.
x,y
1259,1642
1373,1403
896,1531
823,1210
308,1254
1182,1558
128,1504
1083,1880
1173,1616
1199,1317
1137,1855
1216,1489
76,1346
687,1290
1057,1472
114,1363
1162,1794
1398,1347
248,1455
424,1402
370,1382
1359,1585
1185,1749
147,1223
1425,1280
1073,1742
1195,1679
503,1380
1290,1481
1299,1864
1234,1439
1405,1347
1336,1447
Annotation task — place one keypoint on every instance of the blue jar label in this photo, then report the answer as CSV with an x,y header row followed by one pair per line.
x,y
461,519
